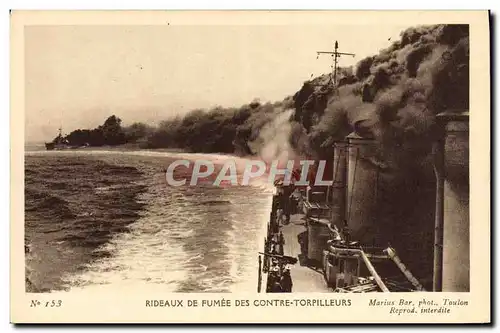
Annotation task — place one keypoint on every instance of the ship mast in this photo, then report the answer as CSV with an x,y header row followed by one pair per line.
x,y
335,55
333,75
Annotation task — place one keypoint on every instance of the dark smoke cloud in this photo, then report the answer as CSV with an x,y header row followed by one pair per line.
x,y
393,95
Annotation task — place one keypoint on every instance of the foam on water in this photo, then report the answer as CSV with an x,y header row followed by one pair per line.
x,y
262,182
178,245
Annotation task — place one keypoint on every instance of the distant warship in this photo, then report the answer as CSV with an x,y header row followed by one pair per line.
x,y
59,142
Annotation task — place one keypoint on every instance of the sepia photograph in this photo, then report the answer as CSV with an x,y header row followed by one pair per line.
x,y
249,157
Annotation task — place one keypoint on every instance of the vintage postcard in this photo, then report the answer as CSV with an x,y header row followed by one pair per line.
x,y
250,167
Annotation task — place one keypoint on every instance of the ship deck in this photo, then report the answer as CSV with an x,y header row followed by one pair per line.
x,y
287,243
305,278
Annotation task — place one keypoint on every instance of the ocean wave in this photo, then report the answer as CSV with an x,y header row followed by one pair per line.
x,y
47,205
64,219
145,235
215,202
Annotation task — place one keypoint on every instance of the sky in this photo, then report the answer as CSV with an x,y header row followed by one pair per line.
x,y
78,75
